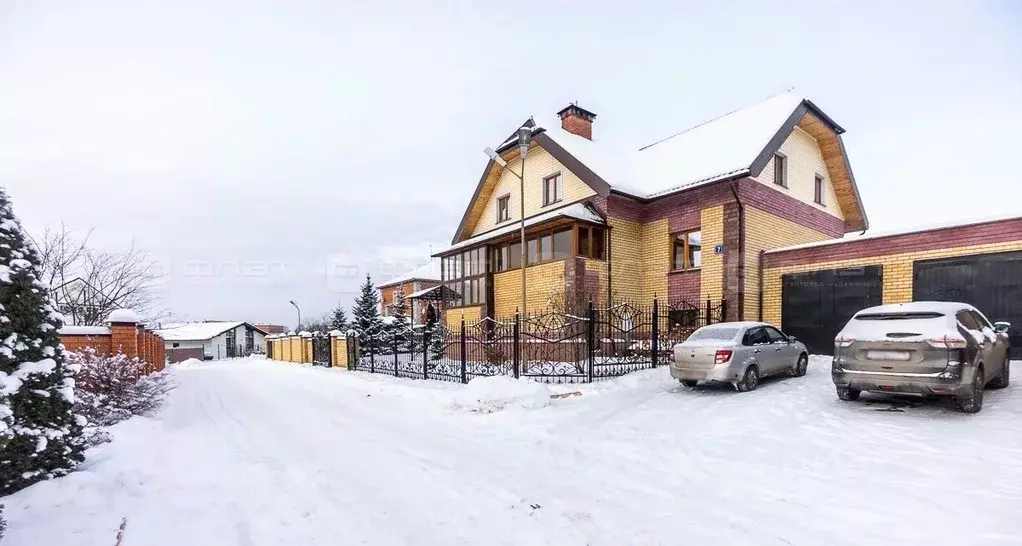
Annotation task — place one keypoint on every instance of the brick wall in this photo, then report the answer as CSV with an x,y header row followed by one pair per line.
x,y
895,253
765,231
544,282
641,243
125,338
471,314
712,271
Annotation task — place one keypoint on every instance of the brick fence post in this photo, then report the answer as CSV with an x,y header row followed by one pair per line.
x,y
124,332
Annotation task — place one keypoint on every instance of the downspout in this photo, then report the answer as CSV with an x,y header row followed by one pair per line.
x,y
741,252
760,288
610,290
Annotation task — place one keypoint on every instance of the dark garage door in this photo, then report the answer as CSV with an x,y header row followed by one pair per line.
x,y
990,282
816,305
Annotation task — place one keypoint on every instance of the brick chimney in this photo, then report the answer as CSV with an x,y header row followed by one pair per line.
x,y
577,120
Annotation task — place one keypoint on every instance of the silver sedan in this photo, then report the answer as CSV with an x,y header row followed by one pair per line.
x,y
739,353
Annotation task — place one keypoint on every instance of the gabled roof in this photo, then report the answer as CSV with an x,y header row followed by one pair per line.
x,y
197,331
430,271
734,145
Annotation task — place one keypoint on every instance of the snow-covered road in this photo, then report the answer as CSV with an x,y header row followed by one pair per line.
x,y
250,452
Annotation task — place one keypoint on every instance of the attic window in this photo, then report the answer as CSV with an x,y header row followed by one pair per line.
x,y
553,189
781,170
504,208
818,190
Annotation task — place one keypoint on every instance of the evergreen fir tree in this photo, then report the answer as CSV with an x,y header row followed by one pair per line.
x,y
40,436
366,314
339,321
400,327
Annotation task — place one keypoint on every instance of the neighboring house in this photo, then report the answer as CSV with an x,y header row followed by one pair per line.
x,y
271,329
81,303
683,218
212,340
413,283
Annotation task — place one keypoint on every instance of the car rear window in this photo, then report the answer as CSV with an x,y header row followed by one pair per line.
x,y
715,333
900,316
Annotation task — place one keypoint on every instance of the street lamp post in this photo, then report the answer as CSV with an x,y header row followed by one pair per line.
x,y
524,138
299,327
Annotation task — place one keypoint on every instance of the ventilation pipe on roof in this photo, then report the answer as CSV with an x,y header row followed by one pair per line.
x,y
577,121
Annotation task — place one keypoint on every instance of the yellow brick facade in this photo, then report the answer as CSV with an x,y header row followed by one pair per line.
x,y
626,239
538,165
804,162
897,273
339,351
764,231
472,315
656,245
711,222
544,282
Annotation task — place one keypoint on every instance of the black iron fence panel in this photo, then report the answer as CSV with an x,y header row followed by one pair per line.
x,y
490,348
321,349
443,360
555,347
551,347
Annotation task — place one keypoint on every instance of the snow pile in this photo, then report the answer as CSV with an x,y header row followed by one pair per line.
x,y
189,363
492,394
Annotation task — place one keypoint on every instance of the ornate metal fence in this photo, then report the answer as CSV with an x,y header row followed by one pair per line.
x,y
552,347
321,348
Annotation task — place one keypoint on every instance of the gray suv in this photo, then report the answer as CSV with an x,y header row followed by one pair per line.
x,y
924,348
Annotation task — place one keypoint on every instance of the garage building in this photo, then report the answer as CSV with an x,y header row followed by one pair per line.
x,y
812,290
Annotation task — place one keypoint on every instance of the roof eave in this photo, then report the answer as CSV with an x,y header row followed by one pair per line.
x,y
823,116
693,186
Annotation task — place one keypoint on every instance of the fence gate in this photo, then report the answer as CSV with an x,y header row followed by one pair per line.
x,y
321,349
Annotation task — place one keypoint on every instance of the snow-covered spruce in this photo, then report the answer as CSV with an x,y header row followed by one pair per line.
x,y
365,315
40,436
399,327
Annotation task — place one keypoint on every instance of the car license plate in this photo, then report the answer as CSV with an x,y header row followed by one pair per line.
x,y
888,355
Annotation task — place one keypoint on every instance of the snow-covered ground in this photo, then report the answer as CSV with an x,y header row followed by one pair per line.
x,y
253,452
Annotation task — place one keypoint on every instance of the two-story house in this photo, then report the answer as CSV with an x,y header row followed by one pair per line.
x,y
410,285
684,218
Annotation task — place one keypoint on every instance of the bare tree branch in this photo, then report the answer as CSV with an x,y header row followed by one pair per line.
x,y
88,284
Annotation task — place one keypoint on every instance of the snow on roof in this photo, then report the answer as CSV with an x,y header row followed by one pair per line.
x,y
429,271
423,292
197,330
903,231
717,149
579,211
84,331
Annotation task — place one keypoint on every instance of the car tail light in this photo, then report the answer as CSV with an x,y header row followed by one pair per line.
x,y
947,342
722,356
843,341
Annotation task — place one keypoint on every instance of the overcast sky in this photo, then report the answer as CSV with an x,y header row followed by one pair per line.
x,y
267,151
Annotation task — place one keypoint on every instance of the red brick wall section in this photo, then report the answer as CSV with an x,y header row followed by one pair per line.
x,y
577,126
986,233
683,285
78,343
127,340
789,208
731,284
